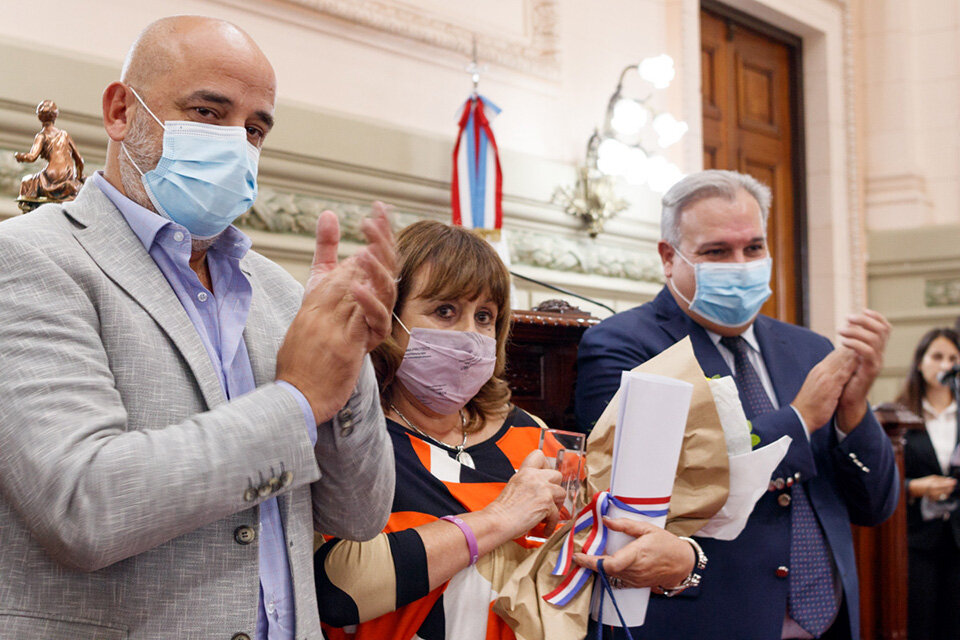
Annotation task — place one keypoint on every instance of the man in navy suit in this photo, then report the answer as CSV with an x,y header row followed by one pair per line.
x,y
791,573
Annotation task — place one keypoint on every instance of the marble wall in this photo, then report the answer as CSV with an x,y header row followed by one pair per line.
x,y
369,93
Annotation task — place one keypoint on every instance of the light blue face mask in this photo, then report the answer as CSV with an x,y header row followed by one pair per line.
x,y
729,293
206,178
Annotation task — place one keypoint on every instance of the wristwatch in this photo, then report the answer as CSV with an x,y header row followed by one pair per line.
x,y
692,580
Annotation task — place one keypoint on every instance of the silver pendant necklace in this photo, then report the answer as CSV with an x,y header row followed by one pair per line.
x,y
461,456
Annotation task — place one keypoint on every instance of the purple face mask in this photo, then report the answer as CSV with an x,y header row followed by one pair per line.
x,y
445,369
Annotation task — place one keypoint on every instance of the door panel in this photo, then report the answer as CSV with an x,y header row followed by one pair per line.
x,y
748,127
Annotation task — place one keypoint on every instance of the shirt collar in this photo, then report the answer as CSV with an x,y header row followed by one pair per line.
x,y
747,335
951,408
146,224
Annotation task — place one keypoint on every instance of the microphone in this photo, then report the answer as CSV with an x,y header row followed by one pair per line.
x,y
949,375
564,291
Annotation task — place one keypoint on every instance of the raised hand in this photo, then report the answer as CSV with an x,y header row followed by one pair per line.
x,y
345,313
657,558
866,334
818,397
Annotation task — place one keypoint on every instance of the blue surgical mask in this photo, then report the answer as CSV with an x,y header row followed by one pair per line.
x,y
206,178
729,293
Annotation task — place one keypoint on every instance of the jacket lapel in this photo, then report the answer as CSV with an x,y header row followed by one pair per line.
x,y
260,341
678,325
923,451
111,243
779,360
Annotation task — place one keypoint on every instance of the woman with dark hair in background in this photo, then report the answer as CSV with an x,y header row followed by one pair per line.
x,y
933,522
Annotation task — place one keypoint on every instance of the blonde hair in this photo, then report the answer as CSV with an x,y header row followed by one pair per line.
x,y
455,263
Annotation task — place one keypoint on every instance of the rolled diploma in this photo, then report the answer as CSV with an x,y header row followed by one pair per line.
x,y
646,448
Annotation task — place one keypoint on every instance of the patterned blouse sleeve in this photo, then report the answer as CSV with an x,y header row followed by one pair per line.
x,y
359,581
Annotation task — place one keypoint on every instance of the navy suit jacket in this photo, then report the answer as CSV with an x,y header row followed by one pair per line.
x,y
741,596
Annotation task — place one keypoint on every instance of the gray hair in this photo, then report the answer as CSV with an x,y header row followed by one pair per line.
x,y
708,184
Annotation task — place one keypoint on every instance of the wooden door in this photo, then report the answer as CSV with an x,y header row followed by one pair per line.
x,y
751,97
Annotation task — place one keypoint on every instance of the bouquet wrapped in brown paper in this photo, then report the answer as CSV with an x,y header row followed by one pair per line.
x,y
700,490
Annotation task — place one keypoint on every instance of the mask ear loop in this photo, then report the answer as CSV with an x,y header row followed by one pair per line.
x,y
140,100
123,148
674,286
152,115
397,318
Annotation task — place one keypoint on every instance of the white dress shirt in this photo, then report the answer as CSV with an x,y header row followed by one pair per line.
x,y
942,429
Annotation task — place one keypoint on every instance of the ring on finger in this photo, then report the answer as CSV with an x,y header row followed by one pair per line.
x,y
942,497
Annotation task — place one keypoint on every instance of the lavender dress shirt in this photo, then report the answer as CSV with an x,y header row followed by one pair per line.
x,y
220,317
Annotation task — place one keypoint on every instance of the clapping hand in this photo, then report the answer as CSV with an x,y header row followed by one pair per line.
x,y
345,313
821,391
866,334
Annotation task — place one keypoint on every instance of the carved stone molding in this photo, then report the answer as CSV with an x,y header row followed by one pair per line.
x,y
279,211
537,53
284,212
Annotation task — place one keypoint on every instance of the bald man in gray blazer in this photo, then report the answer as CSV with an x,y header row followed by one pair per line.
x,y
148,489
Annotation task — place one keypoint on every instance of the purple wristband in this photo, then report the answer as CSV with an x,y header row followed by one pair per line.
x,y
468,534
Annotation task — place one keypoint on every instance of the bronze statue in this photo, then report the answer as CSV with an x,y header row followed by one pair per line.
x,y
61,179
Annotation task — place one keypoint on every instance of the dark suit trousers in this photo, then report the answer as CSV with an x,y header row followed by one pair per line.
x,y
934,590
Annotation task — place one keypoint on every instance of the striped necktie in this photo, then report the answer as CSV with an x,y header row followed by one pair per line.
x,y
813,602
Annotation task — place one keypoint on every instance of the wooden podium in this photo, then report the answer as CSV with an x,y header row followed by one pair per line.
x,y
542,360
882,550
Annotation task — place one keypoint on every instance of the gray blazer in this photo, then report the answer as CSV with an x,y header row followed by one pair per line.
x,y
125,475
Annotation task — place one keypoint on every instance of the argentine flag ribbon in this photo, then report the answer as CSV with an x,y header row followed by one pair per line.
x,y
595,544
476,191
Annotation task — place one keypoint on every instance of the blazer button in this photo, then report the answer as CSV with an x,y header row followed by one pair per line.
x,y
244,534
782,571
264,489
784,499
240,636
274,484
779,483
345,416
346,431
250,494
286,478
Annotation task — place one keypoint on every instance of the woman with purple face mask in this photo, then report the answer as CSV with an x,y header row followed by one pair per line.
x,y
471,481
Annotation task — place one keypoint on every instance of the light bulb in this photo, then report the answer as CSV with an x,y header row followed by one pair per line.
x,y
636,166
657,70
629,116
669,129
663,175
612,157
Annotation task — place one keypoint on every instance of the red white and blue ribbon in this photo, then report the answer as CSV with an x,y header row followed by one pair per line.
x,y
476,191
591,516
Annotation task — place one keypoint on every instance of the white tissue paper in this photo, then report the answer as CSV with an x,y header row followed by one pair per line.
x,y
750,469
